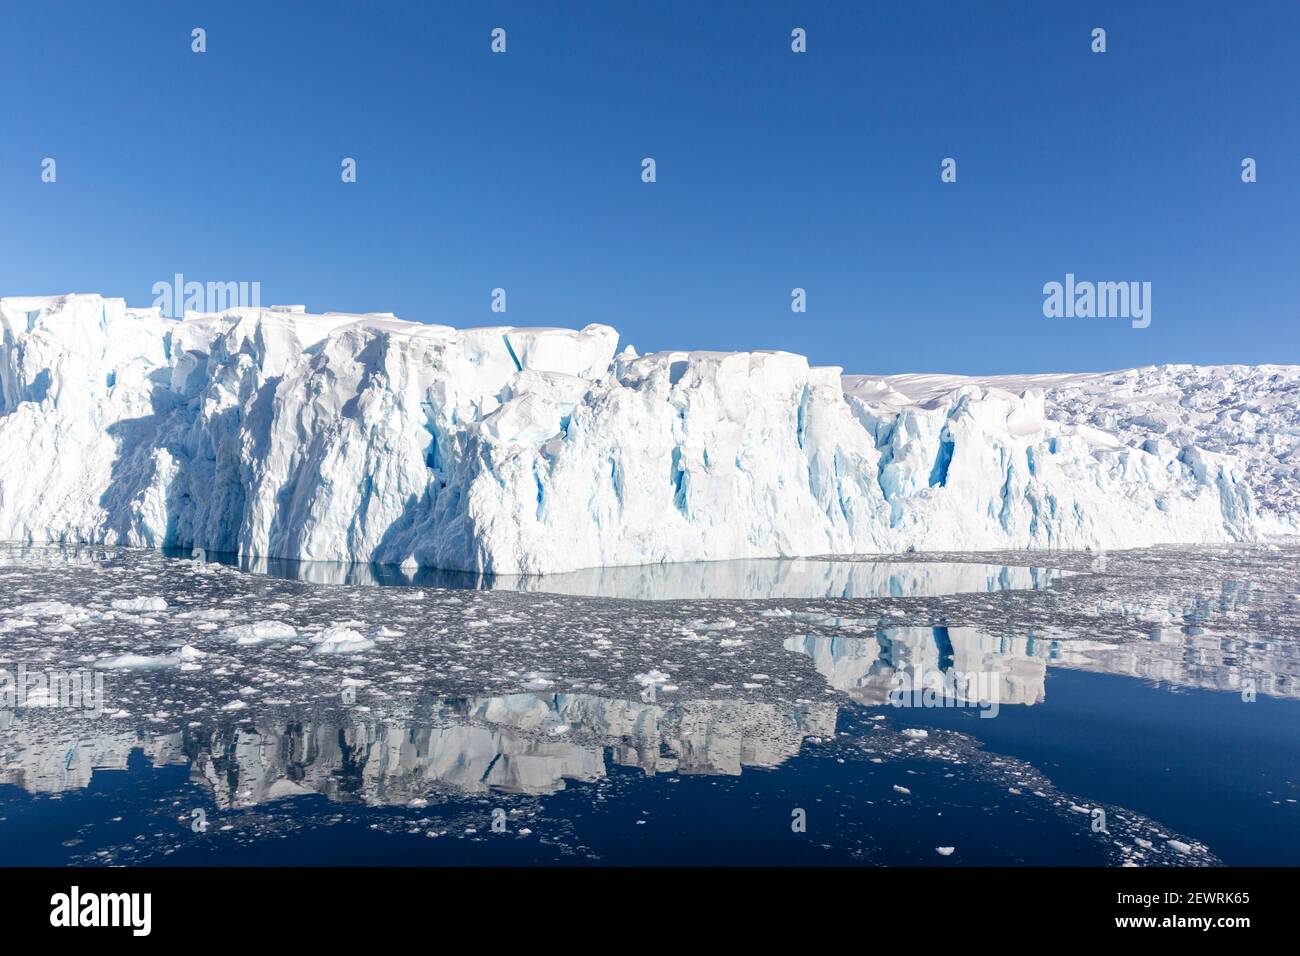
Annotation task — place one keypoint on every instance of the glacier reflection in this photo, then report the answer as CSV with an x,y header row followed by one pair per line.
x,y
751,579
517,743
868,668
865,667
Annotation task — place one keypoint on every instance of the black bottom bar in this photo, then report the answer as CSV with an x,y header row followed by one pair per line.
x,y
370,905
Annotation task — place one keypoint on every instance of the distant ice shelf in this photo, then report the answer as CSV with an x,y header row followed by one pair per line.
x,y
364,438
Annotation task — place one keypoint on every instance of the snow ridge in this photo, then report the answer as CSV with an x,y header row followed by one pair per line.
x,y
346,437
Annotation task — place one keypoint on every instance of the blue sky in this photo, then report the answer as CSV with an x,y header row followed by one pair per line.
x,y
775,170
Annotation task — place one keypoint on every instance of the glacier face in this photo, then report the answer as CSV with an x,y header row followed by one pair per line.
x,y
1246,411
341,437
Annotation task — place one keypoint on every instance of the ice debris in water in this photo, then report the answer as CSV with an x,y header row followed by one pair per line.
x,y
259,632
479,684
137,662
140,604
652,678
338,639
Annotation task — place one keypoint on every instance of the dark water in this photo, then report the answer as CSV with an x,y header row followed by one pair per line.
x,y
853,816
1200,761
1146,717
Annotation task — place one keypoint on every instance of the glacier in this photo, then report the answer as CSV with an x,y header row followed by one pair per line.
x,y
365,438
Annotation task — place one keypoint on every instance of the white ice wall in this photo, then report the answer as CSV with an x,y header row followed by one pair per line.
x,y
366,438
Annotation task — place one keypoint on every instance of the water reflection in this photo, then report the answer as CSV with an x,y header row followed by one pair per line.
x,y
753,579
41,755
869,669
517,743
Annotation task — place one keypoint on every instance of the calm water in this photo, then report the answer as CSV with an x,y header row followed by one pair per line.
x,y
1147,714
685,581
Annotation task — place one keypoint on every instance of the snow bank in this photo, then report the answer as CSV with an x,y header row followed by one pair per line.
x,y
365,438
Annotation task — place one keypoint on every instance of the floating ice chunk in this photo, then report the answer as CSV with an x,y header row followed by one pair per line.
x,y
140,604
41,697
341,640
724,624
50,609
206,614
652,678
248,635
944,850
902,790
137,662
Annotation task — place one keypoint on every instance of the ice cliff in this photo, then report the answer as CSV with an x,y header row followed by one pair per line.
x,y
339,437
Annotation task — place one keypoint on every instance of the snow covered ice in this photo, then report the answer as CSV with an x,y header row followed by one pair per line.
x,y
364,438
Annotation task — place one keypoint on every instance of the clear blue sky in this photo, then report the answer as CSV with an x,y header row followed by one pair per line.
x,y
775,170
